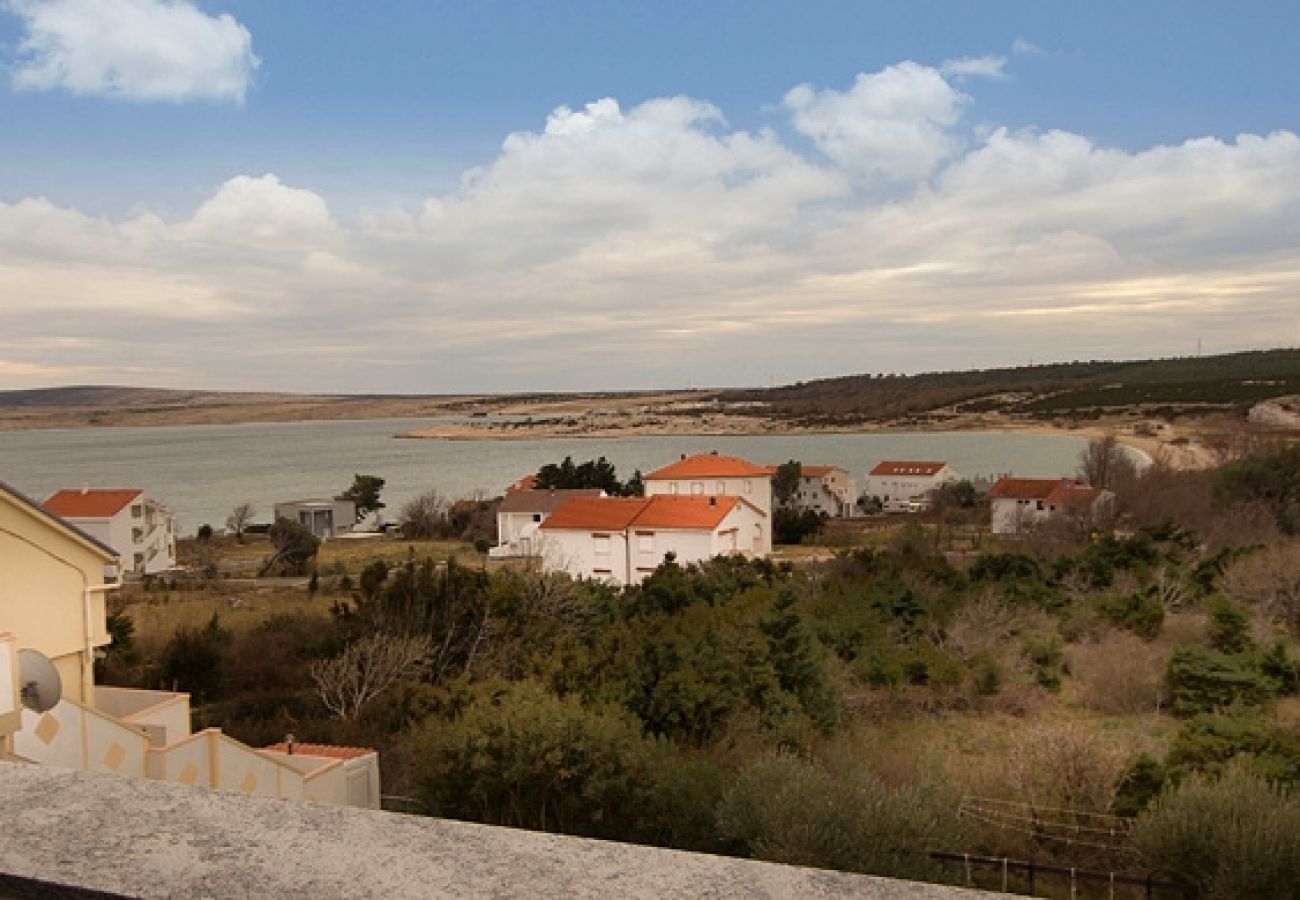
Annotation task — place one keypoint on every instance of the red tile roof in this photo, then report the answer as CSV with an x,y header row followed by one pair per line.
x,y
1054,491
596,513
709,465
90,504
810,471
527,483
658,511
667,511
331,751
902,467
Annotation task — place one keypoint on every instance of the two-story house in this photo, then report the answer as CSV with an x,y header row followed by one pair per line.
x,y
905,485
624,539
522,512
711,474
1017,505
828,490
141,530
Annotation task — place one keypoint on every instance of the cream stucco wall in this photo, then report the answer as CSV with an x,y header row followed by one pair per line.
x,y
51,593
907,488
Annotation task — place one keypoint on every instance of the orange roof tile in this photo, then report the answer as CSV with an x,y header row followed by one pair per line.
x,y
90,504
331,751
596,513
527,483
903,467
1057,491
709,465
658,511
668,511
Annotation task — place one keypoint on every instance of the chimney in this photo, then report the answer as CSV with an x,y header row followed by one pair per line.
x,y
683,456
713,501
713,452
289,741
85,488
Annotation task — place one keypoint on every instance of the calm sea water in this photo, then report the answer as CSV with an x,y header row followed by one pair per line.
x,y
203,471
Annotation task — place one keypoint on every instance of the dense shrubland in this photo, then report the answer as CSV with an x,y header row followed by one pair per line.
x,y
851,713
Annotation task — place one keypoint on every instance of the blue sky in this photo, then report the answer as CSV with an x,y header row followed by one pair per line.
x,y
419,196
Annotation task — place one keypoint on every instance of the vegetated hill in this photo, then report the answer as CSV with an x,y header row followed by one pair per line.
x,y
108,395
1081,390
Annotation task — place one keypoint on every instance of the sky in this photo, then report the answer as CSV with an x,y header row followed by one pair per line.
x,y
411,196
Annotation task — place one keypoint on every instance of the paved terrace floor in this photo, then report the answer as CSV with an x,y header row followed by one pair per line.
x,y
142,838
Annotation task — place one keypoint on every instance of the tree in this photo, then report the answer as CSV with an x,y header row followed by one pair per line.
x,y
364,492
425,516
294,546
594,473
237,521
366,668
793,655
1104,463
785,481
1271,480
194,660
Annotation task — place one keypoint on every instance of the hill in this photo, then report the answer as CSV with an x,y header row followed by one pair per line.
x,y
1076,390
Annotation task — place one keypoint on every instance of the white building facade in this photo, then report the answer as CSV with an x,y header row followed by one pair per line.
x,y
522,512
1017,505
900,485
140,529
827,490
709,474
623,540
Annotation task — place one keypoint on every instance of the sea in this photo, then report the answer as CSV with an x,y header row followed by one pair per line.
x,y
203,471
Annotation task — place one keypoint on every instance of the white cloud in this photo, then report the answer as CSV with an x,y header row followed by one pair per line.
x,y
656,245
893,124
1022,47
165,50
975,67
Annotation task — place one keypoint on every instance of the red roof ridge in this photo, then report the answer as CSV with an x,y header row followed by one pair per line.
x,y
907,467
91,503
708,465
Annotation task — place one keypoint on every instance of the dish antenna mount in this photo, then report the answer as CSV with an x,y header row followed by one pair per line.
x,y
41,686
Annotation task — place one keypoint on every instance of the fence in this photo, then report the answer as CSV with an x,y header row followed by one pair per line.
x,y
1147,885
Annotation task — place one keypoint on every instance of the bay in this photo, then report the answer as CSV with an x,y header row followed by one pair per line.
x,y
204,471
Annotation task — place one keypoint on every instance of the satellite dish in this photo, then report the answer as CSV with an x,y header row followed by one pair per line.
x,y
41,685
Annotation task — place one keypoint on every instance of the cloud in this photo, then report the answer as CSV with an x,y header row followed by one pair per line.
x,y
147,50
975,67
656,245
894,124
1022,47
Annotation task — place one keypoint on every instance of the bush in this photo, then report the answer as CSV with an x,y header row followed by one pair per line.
x,y
1207,744
194,661
790,810
1231,837
520,756
1141,614
1120,674
1204,681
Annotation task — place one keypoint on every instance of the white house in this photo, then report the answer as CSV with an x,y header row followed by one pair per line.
x,y
53,581
898,484
825,489
141,530
1021,504
709,474
323,518
522,511
622,540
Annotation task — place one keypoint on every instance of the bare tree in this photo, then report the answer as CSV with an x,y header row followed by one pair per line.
x,y
238,520
1105,462
366,668
424,516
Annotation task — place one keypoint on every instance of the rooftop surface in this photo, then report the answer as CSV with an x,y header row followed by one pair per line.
x,y
153,839
91,503
709,465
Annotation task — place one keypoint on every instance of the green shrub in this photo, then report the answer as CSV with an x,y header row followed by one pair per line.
x,y
1203,681
790,810
1229,837
1206,744
1229,627
523,757
1140,614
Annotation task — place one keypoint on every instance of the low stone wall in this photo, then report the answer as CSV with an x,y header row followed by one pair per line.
x,y
144,838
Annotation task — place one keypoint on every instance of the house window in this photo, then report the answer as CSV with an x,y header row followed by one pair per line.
x,y
1040,504
137,510
721,489
139,561
674,487
537,517
697,487
645,542
600,544
137,535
